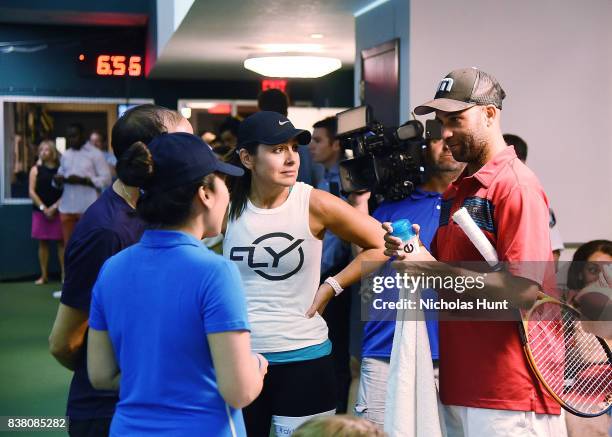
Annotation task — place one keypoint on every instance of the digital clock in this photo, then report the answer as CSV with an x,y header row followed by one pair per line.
x,y
113,65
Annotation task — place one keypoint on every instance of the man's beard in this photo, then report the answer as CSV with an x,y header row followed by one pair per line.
x,y
470,149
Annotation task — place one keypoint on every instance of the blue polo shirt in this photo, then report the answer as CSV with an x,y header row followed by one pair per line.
x,y
309,171
422,208
159,300
336,253
108,226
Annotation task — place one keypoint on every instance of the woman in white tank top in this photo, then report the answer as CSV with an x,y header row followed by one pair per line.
x,y
274,234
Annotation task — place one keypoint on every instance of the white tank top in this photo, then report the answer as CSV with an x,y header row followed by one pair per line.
x,y
280,262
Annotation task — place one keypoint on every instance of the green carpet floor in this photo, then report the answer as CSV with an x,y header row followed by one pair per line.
x,y
32,383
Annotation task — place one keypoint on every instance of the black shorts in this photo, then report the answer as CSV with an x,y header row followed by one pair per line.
x,y
90,427
299,389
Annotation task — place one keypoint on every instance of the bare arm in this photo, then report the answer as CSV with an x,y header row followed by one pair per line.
x,y
239,372
359,200
352,225
68,335
329,212
32,187
102,366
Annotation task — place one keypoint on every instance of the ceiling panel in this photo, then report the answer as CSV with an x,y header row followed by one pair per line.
x,y
216,36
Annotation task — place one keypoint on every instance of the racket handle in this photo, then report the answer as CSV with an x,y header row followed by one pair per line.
x,y
477,237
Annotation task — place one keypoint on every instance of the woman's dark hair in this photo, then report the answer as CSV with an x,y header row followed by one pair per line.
x,y
239,187
164,208
172,207
141,123
575,277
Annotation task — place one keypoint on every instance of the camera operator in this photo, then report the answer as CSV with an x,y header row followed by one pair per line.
x,y
421,206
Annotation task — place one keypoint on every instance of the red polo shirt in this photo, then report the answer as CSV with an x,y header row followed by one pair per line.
x,y
482,363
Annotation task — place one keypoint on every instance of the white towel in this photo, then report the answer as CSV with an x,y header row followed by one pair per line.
x,y
411,404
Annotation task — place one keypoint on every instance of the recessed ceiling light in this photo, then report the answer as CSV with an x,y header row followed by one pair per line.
x,y
292,65
316,35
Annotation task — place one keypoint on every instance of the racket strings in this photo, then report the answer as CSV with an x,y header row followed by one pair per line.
x,y
589,403
573,363
557,355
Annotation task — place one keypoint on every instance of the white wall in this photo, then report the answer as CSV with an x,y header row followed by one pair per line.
x,y
170,15
554,60
304,118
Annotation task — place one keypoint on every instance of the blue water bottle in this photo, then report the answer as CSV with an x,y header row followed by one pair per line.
x,y
402,229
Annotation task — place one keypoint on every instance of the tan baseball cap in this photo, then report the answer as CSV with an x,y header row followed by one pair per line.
x,y
461,89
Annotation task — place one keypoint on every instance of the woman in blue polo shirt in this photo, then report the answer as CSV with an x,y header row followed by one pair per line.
x,y
108,226
168,322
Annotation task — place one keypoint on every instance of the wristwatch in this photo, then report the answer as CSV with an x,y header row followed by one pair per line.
x,y
41,207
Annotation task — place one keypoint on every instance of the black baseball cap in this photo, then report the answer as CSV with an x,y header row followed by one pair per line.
x,y
180,158
267,127
461,89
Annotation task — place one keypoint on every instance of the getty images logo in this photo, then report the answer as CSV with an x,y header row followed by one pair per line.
x,y
446,85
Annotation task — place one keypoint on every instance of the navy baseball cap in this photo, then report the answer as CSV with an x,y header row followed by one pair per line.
x,y
268,127
180,158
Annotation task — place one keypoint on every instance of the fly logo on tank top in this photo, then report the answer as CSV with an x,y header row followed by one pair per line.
x,y
275,256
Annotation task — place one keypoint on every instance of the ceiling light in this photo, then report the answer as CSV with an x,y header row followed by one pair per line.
x,y
292,65
316,35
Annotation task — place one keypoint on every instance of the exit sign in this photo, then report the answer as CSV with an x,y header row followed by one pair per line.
x,y
279,84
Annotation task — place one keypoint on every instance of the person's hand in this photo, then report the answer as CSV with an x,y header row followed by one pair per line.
x,y
321,299
393,245
263,365
413,263
51,211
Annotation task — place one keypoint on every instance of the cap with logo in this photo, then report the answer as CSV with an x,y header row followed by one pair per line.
x,y
180,158
461,89
267,127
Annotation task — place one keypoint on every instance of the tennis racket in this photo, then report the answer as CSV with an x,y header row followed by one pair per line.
x,y
574,366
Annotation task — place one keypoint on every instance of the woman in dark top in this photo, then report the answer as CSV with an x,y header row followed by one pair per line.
x,y
46,225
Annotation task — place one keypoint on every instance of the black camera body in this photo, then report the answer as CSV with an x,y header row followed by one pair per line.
x,y
390,162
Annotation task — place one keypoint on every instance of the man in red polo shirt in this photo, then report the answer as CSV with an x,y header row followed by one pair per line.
x,y
486,385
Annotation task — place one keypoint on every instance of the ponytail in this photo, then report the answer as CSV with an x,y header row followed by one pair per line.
x,y
135,166
239,186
